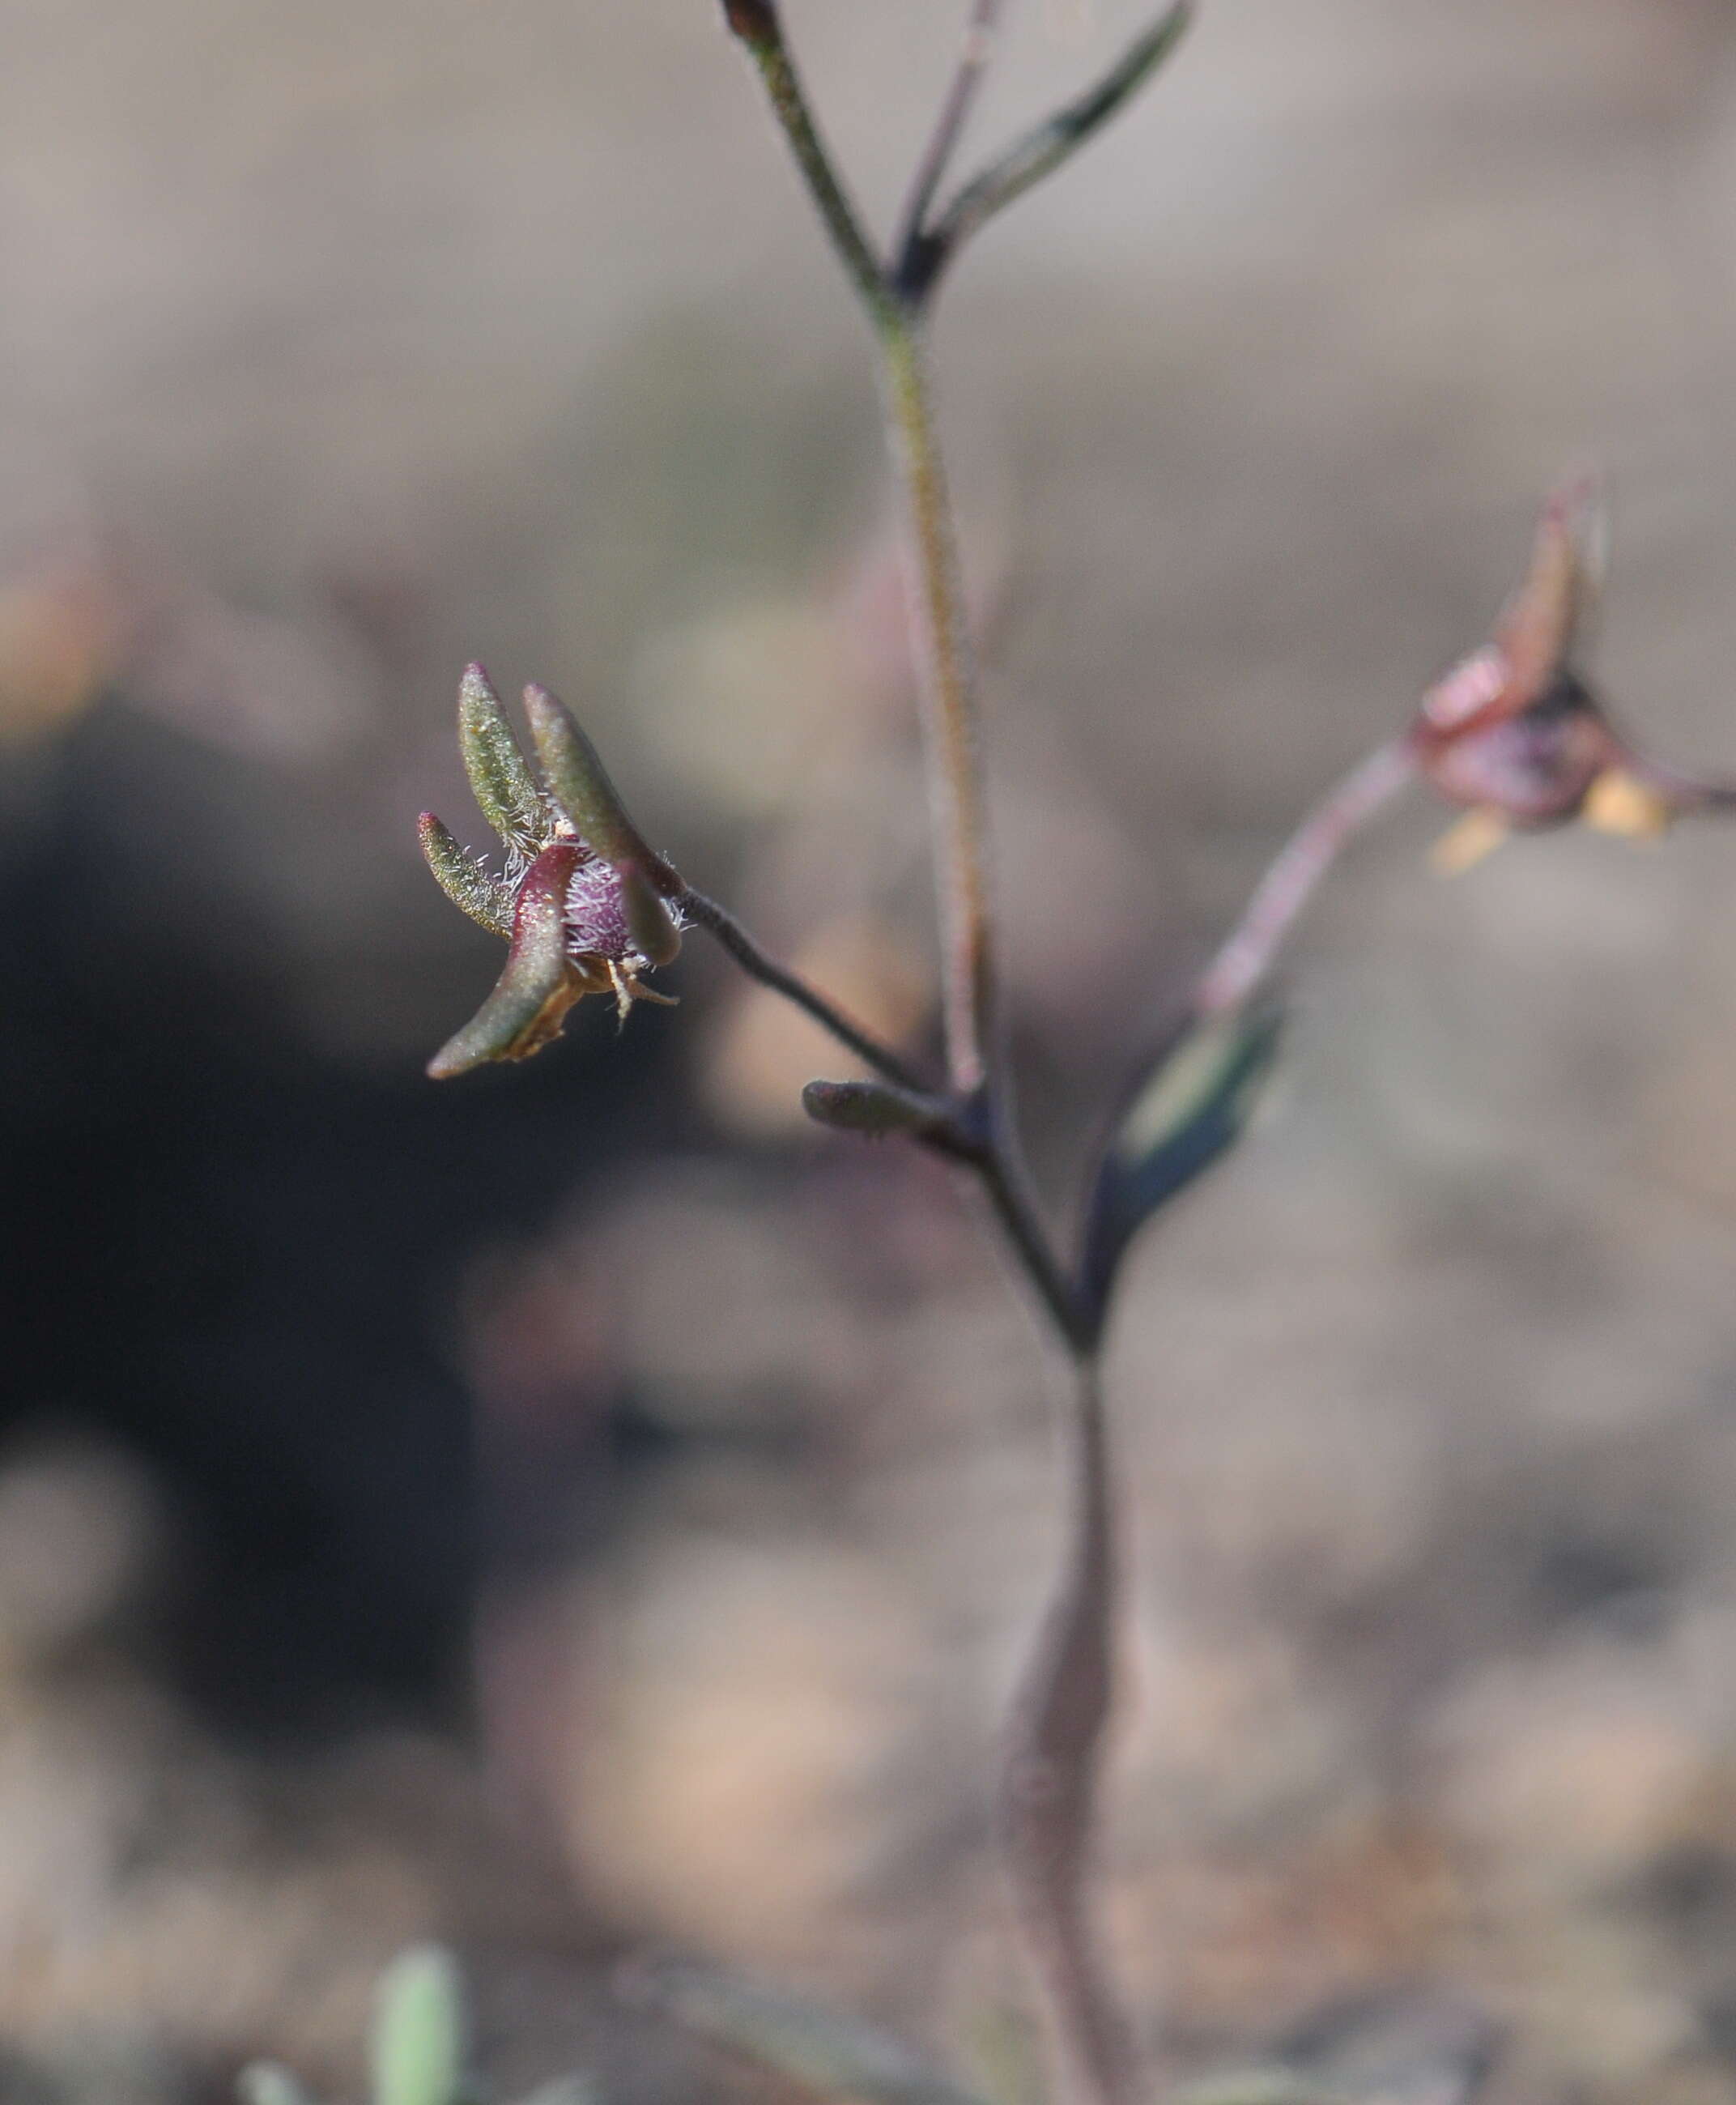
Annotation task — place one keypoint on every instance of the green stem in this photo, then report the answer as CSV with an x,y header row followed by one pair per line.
x,y
1057,1731
951,717
761,32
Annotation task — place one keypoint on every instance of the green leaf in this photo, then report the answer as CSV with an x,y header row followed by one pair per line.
x,y
579,784
501,779
1046,148
417,2046
1191,1107
466,881
539,982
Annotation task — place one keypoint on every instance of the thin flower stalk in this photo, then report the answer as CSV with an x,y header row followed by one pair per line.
x,y
719,923
1250,951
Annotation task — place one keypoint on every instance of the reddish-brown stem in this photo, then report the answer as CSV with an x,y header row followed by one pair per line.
x,y
955,112
1055,1733
1055,1744
1253,945
1685,793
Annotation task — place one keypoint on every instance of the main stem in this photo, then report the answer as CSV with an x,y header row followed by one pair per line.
x,y
950,717
1046,1808
1055,1733
1047,1801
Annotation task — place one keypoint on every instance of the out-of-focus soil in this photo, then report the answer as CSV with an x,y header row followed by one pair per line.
x,y
344,345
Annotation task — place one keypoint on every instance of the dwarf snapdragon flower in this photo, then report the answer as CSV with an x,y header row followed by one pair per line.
x,y
584,906
1516,734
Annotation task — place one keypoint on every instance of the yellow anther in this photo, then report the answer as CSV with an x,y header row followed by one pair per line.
x,y
1621,803
1465,843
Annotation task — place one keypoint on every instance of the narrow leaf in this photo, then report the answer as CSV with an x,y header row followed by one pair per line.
x,y
539,982
504,787
418,2047
466,881
1043,149
1191,1107
580,785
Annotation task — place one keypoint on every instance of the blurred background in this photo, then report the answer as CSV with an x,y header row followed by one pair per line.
x,y
578,1508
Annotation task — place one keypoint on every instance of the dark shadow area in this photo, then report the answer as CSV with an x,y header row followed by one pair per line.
x,y
240,1258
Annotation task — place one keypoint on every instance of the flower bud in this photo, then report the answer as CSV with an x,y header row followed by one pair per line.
x,y
594,908
872,1109
754,21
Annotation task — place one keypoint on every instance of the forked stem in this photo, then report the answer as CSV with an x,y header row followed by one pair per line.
x,y
928,247
955,113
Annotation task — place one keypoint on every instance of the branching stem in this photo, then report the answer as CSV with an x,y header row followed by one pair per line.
x,y
955,113
1001,1173
1055,1733
932,243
